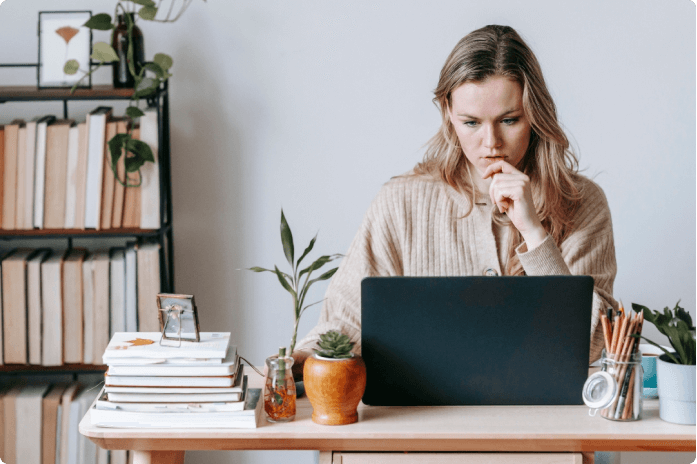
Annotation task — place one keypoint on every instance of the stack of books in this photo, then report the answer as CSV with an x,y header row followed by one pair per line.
x,y
175,384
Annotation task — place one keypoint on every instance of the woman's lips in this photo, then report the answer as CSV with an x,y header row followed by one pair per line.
x,y
493,159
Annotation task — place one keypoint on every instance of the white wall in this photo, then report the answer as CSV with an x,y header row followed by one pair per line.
x,y
312,105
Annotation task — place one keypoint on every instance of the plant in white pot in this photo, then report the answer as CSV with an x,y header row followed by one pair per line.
x,y
334,380
675,370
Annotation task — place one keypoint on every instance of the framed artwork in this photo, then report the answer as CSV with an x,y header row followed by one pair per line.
x,y
62,37
178,317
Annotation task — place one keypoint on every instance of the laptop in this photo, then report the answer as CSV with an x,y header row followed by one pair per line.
x,y
507,340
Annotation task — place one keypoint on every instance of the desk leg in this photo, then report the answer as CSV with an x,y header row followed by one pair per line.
x,y
158,457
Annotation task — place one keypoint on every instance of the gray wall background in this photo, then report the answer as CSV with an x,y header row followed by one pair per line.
x,y
311,106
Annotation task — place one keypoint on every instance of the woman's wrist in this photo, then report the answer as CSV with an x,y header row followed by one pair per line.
x,y
533,238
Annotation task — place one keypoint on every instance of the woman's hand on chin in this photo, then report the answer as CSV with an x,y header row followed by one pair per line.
x,y
511,193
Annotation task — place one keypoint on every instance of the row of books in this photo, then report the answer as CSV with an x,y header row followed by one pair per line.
x,y
170,383
61,307
40,425
57,174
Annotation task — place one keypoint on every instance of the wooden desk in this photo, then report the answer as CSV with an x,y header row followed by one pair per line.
x,y
445,429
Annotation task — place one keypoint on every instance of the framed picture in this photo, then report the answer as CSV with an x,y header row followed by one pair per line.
x,y
178,317
62,37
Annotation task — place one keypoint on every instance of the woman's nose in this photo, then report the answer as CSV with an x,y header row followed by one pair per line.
x,y
491,137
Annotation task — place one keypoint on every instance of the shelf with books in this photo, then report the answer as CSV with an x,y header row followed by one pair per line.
x,y
31,220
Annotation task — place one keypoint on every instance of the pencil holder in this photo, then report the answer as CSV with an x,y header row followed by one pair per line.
x,y
617,389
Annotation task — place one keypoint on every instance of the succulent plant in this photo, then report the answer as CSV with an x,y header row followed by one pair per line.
x,y
334,345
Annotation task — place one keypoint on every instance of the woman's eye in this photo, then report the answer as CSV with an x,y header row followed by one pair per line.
x,y
510,121
470,123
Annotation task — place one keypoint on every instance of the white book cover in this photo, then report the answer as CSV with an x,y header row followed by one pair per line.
x,y
117,291
29,166
230,365
162,361
88,310
34,309
28,410
73,434
154,381
131,289
174,397
40,170
150,187
52,306
71,178
96,153
65,436
217,419
86,449
147,345
21,177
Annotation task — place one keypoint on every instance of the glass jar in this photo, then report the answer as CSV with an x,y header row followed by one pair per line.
x,y
121,75
617,389
279,391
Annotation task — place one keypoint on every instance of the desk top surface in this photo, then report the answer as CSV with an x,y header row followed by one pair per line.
x,y
439,428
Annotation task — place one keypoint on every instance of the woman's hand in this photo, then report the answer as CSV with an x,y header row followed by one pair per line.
x,y
511,193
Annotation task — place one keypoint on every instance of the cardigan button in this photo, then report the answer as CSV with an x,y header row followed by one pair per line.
x,y
490,272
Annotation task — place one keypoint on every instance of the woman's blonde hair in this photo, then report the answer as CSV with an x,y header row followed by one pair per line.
x,y
548,162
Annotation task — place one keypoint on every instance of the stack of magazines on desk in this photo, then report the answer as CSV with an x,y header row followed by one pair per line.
x,y
175,384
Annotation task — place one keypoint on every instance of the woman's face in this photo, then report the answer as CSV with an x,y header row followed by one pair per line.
x,y
489,121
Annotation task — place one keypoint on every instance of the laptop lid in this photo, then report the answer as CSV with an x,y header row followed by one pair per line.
x,y
476,340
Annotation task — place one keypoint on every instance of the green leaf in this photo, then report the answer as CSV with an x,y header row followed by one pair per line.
x,y
327,275
71,67
279,398
134,112
307,250
142,153
102,51
259,269
143,2
146,87
100,22
284,283
148,13
159,72
319,262
116,145
287,239
163,61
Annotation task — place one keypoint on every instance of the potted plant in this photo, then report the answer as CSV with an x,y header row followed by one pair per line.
x,y
675,370
297,283
334,380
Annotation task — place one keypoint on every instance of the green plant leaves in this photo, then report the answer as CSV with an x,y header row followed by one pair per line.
x,y
141,153
163,61
146,87
143,2
675,324
287,240
134,112
307,250
284,283
71,67
100,22
148,12
102,51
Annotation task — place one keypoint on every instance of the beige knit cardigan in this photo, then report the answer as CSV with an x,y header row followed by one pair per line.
x,y
415,227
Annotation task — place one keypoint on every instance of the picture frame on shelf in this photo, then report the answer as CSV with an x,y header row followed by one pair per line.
x,y
63,37
178,317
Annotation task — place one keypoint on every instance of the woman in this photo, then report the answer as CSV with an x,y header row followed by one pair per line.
x,y
498,193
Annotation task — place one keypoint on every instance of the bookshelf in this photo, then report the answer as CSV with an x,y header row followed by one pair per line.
x,y
162,235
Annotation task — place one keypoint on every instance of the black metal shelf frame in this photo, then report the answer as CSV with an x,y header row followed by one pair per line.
x,y
160,101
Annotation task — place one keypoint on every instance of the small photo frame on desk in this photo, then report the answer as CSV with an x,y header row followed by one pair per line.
x,y
178,318
62,38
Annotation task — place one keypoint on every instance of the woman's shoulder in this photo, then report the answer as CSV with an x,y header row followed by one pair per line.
x,y
409,183
591,194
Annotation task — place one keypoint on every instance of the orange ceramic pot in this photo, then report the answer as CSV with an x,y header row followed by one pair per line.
x,y
334,388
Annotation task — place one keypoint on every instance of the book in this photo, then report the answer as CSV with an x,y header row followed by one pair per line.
x,y
14,289
2,171
117,290
34,309
131,201
148,275
101,264
70,452
73,331
80,177
52,305
108,181
40,170
147,345
230,365
10,174
28,406
71,178
86,449
119,188
155,381
131,288
88,309
96,149
9,401
50,422
184,419
69,395
21,177
29,171
150,188
57,139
